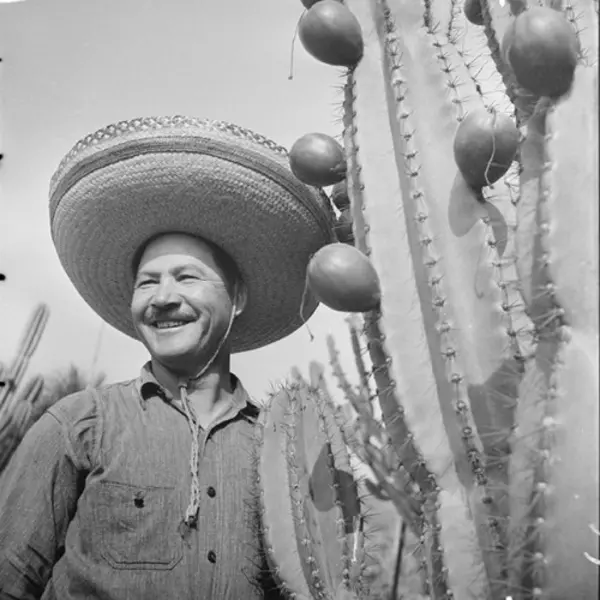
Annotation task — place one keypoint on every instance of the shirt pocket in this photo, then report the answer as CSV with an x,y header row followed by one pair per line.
x,y
138,525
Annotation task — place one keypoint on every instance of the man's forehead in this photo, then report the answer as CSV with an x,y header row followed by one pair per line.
x,y
176,242
181,247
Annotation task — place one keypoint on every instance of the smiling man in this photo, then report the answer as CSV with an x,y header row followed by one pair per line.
x,y
186,295
193,237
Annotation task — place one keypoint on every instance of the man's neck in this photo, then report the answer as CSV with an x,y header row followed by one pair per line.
x,y
207,395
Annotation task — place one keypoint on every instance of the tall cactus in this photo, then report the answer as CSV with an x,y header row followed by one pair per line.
x,y
485,345
16,403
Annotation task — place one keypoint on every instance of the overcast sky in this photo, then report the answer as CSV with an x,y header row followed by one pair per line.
x,y
73,66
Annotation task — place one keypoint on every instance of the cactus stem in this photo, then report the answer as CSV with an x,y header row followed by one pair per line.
x,y
360,365
351,396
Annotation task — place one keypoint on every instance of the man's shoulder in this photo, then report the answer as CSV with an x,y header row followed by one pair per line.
x,y
87,402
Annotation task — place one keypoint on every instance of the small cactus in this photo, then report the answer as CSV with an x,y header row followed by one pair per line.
x,y
16,403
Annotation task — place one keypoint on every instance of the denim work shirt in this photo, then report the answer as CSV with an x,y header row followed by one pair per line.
x,y
92,501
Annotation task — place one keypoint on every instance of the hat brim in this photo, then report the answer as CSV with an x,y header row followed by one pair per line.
x,y
110,197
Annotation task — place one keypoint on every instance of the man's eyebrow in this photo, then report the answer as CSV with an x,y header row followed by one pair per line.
x,y
174,271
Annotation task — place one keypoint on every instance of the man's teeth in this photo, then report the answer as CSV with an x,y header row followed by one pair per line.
x,y
168,324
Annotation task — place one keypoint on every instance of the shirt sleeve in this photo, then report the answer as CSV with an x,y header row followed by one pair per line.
x,y
38,494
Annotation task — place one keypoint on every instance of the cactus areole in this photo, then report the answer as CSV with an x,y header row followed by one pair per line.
x,y
317,159
330,32
543,50
485,146
344,279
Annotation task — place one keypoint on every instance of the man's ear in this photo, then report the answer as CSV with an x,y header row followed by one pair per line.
x,y
240,297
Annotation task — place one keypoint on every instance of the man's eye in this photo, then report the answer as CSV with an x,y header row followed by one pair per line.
x,y
144,282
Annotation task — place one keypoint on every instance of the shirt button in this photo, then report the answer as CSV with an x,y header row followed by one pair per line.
x,y
211,491
212,557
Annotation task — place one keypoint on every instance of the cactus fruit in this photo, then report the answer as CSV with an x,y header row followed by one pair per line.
x,y
543,51
317,159
16,403
485,345
330,32
343,279
485,146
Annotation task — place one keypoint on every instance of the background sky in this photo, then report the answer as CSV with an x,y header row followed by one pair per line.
x,y
73,66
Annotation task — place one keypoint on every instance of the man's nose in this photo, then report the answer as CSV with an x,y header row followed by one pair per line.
x,y
165,294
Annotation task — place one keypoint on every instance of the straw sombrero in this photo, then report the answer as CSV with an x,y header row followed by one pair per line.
x,y
128,182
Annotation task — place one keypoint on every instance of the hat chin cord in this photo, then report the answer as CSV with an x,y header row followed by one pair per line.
x,y
191,514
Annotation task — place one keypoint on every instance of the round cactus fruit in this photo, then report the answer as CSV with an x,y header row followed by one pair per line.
x,y
485,145
473,12
543,51
317,159
344,279
331,33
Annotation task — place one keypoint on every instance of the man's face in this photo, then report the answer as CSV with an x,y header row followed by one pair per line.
x,y
181,305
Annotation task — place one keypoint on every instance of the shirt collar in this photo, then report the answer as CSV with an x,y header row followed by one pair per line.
x,y
147,387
